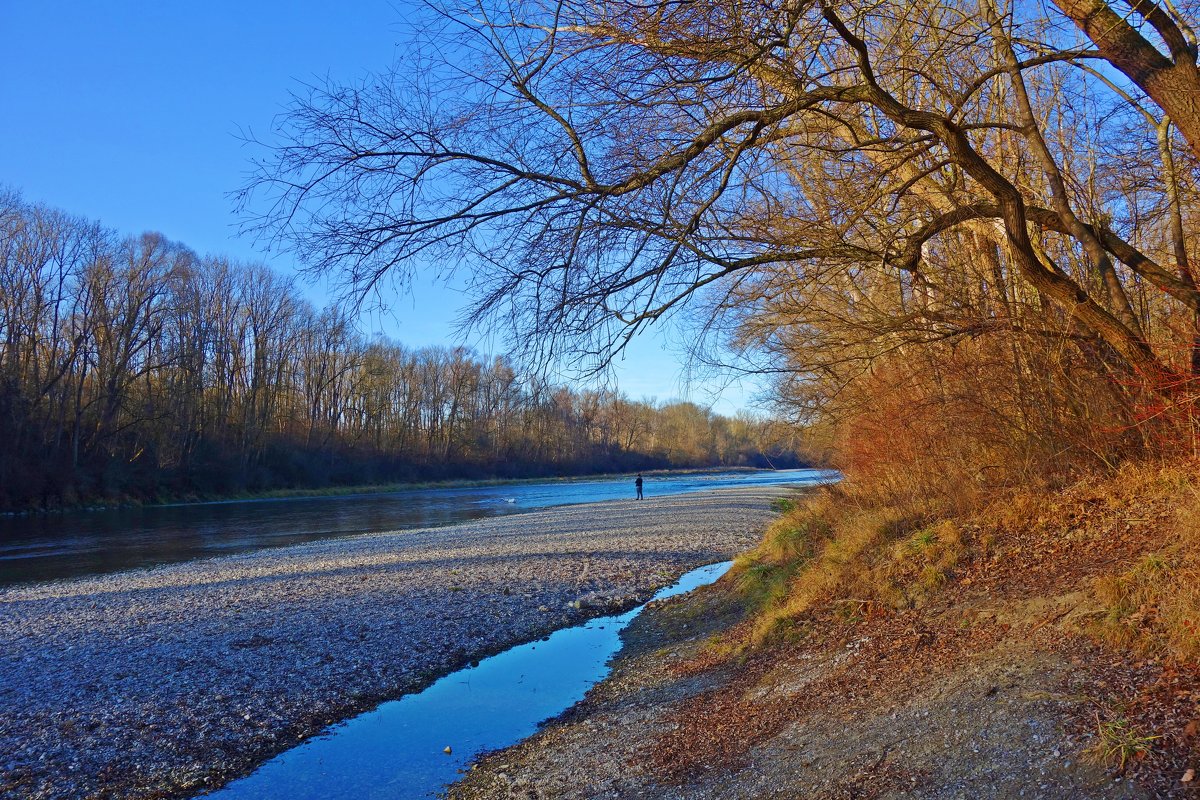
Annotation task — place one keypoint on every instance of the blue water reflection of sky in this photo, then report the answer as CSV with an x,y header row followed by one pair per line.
x,y
396,751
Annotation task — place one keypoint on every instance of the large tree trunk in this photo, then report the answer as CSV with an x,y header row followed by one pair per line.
x,y
1172,82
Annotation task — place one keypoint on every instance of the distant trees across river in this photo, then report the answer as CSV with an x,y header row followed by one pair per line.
x,y
130,367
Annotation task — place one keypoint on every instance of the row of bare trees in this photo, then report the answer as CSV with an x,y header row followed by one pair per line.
x,y
132,367
966,222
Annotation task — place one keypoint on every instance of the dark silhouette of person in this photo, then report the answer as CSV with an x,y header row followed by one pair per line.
x,y
638,484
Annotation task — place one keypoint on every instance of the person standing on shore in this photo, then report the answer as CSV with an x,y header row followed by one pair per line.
x,y
638,484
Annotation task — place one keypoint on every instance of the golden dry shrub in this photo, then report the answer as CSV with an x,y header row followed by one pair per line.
x,y
950,426
1154,606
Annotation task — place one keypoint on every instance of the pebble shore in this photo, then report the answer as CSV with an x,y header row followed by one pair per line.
x,y
174,680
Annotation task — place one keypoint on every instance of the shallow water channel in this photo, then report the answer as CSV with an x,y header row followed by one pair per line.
x,y
396,751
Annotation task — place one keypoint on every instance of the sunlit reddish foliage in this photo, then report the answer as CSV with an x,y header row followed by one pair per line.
x,y
955,423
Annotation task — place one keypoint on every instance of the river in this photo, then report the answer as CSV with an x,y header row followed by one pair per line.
x,y
40,547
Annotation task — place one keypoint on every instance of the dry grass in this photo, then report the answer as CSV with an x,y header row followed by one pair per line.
x,y
838,555
1154,605
921,564
763,574
831,555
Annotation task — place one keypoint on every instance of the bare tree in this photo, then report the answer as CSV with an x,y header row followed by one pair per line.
x,y
600,166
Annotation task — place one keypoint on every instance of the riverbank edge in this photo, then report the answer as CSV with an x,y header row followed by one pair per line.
x,y
655,640
296,735
666,671
361,490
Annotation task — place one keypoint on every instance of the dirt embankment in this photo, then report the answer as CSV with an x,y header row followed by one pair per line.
x,y
1004,685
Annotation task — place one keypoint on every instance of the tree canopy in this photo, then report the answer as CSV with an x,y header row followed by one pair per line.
x,y
599,164
843,194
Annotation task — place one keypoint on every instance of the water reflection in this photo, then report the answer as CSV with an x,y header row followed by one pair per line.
x,y
396,751
45,547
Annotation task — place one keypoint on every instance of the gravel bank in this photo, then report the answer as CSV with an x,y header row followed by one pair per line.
x,y
164,682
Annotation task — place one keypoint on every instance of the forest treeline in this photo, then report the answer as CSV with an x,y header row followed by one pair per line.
x,y
132,368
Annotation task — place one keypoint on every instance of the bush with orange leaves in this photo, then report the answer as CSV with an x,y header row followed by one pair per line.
x,y
950,425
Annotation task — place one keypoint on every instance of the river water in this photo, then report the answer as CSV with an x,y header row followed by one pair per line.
x,y
396,751
53,546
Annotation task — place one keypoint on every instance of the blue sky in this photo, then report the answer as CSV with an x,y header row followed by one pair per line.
x,y
132,113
